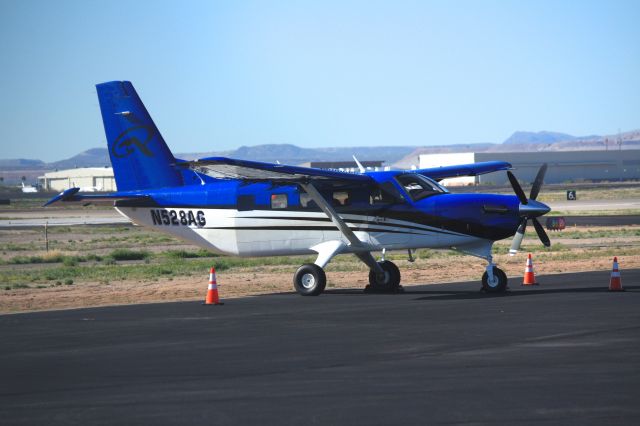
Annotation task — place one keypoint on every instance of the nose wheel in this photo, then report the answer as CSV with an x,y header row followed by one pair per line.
x,y
497,283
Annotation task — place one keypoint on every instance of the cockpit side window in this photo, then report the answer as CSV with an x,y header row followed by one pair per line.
x,y
418,186
385,193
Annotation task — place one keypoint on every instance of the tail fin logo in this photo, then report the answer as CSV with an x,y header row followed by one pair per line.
x,y
136,137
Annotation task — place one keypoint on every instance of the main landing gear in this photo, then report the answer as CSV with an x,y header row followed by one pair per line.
x,y
310,279
389,282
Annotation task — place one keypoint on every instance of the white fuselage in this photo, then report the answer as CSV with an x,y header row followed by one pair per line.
x,y
285,232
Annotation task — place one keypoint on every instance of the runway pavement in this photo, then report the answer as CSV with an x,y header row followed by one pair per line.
x,y
38,217
565,352
594,205
621,220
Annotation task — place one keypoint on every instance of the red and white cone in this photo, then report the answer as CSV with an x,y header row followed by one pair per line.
x,y
212,290
529,275
615,284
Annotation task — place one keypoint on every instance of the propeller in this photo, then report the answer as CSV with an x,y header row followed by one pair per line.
x,y
529,209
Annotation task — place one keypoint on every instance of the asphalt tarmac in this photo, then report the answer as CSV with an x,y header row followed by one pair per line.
x,y
565,352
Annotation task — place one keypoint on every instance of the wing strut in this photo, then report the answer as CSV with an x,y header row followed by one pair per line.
x,y
354,241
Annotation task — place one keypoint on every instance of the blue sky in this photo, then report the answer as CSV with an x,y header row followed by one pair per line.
x,y
216,75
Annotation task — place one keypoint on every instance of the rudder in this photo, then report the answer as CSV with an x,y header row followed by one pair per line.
x,y
139,155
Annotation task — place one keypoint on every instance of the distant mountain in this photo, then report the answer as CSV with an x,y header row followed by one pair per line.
x,y
95,157
544,137
554,141
20,163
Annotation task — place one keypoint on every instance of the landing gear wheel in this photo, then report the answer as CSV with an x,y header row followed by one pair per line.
x,y
309,280
389,284
498,284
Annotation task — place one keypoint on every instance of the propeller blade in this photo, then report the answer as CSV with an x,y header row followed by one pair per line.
x,y
517,238
537,184
541,234
517,188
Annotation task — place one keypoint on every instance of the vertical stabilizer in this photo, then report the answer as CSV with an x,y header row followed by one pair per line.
x,y
140,157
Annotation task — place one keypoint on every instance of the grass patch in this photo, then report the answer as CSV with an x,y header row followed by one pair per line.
x,y
127,254
162,267
188,254
70,261
600,233
20,285
18,247
53,257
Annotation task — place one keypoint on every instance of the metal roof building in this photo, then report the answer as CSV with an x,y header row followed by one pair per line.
x,y
564,166
88,179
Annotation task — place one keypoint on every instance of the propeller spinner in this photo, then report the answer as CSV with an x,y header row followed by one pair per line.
x,y
529,209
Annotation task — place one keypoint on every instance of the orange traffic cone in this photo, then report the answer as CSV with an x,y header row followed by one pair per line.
x,y
615,284
529,275
212,290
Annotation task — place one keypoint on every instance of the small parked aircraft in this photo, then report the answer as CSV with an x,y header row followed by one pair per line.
x,y
249,208
28,189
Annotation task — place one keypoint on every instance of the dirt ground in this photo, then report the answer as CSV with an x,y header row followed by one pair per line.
x,y
247,282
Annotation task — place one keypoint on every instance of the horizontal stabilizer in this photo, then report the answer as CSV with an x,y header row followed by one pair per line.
x,y
73,195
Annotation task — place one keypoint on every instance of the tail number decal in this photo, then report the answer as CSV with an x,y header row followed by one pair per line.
x,y
178,217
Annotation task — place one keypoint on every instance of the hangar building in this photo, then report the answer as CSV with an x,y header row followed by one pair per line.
x,y
564,166
86,178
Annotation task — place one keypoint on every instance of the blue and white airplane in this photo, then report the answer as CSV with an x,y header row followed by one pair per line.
x,y
247,208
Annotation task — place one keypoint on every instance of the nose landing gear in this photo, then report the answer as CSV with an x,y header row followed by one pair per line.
x,y
494,280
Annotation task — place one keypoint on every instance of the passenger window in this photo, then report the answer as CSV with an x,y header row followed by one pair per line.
x,y
278,201
305,199
386,193
341,198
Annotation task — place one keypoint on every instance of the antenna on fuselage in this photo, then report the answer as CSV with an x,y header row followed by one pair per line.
x,y
199,177
360,166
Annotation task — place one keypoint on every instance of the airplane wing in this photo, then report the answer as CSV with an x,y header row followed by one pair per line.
x,y
255,171
439,173
71,195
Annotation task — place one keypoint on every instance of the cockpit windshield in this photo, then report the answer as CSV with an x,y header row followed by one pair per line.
x,y
419,186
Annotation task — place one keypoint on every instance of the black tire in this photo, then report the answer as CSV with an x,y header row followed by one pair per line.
x,y
500,284
309,280
391,282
